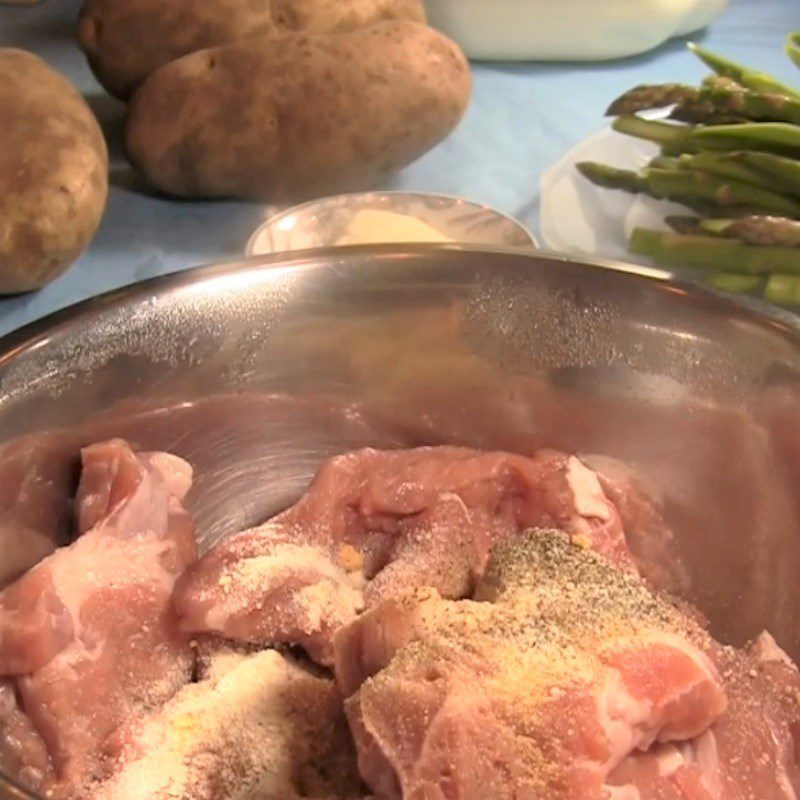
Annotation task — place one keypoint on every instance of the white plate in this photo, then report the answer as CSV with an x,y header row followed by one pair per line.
x,y
580,218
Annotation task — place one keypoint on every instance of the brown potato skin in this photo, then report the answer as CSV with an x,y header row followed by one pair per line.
x,y
53,173
126,40
299,117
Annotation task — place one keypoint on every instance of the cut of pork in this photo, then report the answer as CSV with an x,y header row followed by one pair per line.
x,y
256,727
88,638
38,475
564,667
750,753
651,540
23,754
399,519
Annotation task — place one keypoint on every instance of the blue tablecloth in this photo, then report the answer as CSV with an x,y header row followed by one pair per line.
x,y
522,118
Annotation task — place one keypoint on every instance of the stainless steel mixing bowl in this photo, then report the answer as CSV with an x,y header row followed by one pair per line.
x,y
256,371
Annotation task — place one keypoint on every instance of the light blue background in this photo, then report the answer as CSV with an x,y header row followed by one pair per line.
x,y
522,119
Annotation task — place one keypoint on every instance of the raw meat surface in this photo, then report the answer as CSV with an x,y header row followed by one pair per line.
x,y
563,677
38,475
22,752
88,636
401,519
257,727
563,668
750,751
650,539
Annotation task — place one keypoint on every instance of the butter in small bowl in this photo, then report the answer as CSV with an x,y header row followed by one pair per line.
x,y
387,218
375,226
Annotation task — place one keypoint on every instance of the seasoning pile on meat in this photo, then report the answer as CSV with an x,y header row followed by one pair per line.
x,y
424,624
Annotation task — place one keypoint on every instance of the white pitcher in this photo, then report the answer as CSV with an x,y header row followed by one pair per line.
x,y
555,30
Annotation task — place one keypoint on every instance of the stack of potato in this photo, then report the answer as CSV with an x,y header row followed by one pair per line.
x,y
275,100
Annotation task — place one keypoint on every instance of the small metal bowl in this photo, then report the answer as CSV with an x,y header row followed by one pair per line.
x,y
322,223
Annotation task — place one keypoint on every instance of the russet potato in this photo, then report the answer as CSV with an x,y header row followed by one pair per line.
x,y
126,40
53,173
301,116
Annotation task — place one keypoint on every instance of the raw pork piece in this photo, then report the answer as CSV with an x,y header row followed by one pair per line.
x,y
564,667
750,753
23,754
88,636
256,727
651,540
38,475
402,519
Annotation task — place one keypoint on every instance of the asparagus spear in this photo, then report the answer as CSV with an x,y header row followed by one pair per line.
x,y
710,252
717,105
756,230
776,173
691,104
750,79
793,47
783,289
754,105
613,178
675,137
735,282
644,97
778,288
726,165
718,100
720,82
703,110
784,172
772,137
665,162
690,188
685,224
722,191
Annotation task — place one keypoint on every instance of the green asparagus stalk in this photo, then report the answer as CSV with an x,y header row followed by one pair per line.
x,y
750,79
725,165
719,105
772,137
613,178
784,172
710,252
719,100
635,183
754,105
783,289
719,190
662,133
735,282
778,288
704,111
775,173
793,48
716,227
665,162
721,82
685,224
701,108
757,230
698,190
642,98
